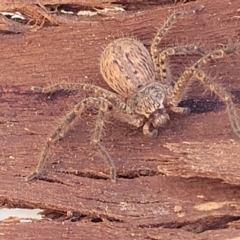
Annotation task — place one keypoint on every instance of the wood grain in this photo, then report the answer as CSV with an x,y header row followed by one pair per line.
x,y
182,185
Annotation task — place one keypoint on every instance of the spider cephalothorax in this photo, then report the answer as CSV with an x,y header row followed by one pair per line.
x,y
144,92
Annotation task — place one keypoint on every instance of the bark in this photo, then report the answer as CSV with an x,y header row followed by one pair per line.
x,y
184,184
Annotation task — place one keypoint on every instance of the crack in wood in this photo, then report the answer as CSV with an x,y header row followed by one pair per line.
x,y
60,215
105,176
34,15
198,226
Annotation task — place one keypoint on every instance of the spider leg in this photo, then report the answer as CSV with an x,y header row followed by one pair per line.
x,y
86,87
72,86
181,85
181,110
65,125
96,139
162,71
164,29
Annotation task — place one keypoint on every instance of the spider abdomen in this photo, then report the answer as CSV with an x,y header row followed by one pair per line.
x,y
126,66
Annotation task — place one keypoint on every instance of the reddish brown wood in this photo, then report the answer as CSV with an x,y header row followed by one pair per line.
x,y
198,196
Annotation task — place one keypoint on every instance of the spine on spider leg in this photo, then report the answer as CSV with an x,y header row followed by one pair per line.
x,y
163,69
74,86
86,87
214,55
226,98
58,133
219,91
233,116
181,87
62,86
41,162
164,29
96,138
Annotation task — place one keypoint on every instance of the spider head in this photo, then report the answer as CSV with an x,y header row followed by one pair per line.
x,y
150,102
159,117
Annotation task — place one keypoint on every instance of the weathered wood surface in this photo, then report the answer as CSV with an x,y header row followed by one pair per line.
x,y
8,5
182,185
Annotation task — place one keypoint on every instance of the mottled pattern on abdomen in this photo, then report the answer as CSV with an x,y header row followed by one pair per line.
x,y
126,65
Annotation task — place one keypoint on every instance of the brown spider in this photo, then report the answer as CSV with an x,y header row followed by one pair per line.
x,y
145,93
